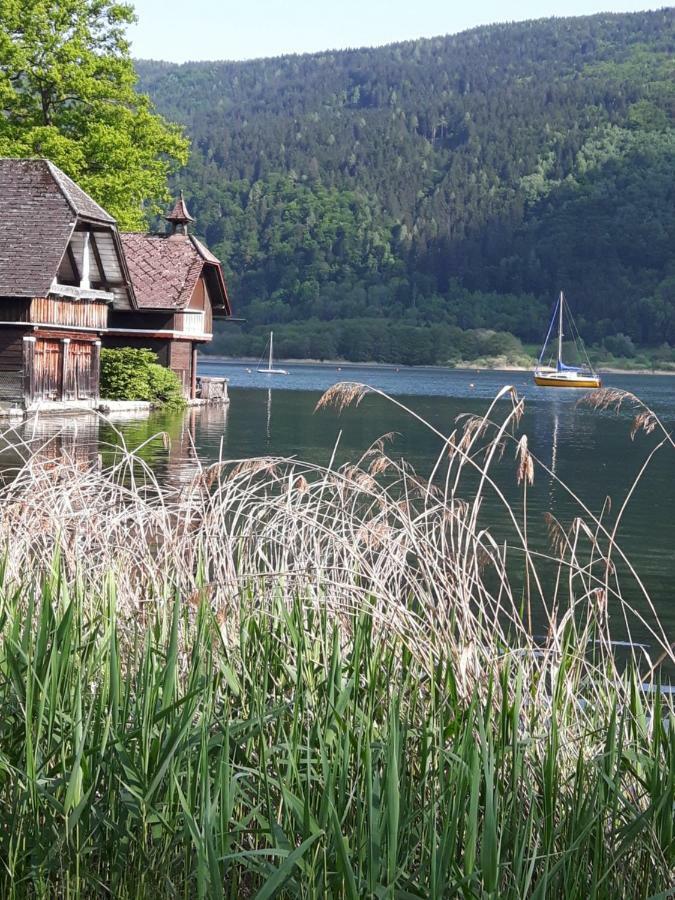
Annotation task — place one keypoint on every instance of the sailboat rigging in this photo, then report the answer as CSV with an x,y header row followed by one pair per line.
x,y
270,370
561,375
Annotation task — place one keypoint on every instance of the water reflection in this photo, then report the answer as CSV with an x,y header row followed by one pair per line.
x,y
169,443
269,416
184,457
48,440
588,450
554,444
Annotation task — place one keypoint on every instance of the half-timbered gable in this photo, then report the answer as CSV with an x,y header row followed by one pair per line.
x,y
179,289
62,269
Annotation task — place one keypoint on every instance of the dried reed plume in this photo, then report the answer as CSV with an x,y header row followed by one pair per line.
x,y
415,553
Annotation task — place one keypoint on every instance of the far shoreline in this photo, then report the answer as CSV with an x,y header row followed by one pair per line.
x,y
460,367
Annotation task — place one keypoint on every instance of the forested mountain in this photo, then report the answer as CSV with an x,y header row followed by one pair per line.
x,y
374,202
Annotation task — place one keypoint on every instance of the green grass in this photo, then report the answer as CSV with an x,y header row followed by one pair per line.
x,y
308,758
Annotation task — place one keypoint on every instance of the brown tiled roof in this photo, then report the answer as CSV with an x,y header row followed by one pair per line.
x,y
39,206
165,269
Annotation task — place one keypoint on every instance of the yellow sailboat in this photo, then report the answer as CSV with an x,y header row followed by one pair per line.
x,y
561,375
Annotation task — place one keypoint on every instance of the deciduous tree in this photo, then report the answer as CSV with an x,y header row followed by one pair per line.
x,y
67,92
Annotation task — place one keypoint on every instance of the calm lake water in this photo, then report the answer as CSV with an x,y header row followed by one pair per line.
x,y
591,451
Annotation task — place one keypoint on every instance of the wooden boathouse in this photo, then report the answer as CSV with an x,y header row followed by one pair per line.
x,y
70,283
179,290
61,268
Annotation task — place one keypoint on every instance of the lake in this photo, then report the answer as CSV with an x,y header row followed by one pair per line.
x,y
589,450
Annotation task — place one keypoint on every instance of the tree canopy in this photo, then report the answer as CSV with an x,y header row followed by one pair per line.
x,y
459,181
67,92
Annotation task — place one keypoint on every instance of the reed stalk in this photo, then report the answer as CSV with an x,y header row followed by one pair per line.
x,y
280,679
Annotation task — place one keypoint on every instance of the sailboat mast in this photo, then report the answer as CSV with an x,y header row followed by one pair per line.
x,y
560,328
269,365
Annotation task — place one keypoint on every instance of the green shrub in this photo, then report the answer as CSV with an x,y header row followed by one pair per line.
x,y
128,373
165,386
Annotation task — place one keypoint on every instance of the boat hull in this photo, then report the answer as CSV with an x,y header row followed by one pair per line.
x,y
558,382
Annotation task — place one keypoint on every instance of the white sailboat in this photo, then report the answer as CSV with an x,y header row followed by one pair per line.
x,y
561,375
270,370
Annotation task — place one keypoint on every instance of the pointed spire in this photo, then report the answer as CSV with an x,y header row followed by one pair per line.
x,y
179,217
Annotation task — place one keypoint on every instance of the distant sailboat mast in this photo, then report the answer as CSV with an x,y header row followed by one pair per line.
x,y
270,370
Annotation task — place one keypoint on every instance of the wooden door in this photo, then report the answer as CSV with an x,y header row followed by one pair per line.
x,y
79,367
48,369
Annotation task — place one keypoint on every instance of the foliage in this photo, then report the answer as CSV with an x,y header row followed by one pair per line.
x,y
444,180
128,373
67,93
379,340
164,387
327,682
299,761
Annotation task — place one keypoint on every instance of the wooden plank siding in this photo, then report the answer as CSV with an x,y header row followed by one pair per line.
x,y
180,361
69,313
61,369
200,300
11,365
11,350
80,379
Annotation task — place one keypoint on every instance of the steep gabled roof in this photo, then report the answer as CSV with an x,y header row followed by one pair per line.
x,y
165,270
81,203
39,208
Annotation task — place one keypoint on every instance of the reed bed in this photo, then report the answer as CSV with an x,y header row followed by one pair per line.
x,y
280,679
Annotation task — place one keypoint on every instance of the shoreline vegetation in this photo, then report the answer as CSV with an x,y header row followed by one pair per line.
x,y
279,679
495,365
400,343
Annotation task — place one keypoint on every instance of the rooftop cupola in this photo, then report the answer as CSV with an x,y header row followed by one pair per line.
x,y
179,218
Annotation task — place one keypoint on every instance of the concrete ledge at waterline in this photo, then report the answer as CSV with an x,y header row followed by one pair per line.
x,y
15,411
121,406
80,407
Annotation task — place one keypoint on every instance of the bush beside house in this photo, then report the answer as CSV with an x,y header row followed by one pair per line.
x,y
129,373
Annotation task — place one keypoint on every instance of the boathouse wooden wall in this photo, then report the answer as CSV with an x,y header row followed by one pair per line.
x,y
61,368
200,300
157,345
11,349
179,356
69,313
14,309
145,321
180,361
58,311
11,364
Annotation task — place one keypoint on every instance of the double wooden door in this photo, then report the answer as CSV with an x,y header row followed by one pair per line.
x,y
64,370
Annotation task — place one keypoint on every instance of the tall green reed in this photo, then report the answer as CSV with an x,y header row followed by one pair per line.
x,y
295,762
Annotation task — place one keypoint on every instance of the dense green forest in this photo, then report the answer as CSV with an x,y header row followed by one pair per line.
x,y
405,203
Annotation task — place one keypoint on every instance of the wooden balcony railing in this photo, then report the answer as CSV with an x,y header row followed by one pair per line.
x,y
191,321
